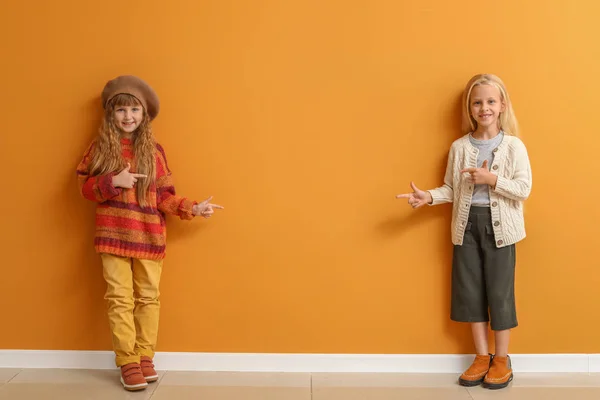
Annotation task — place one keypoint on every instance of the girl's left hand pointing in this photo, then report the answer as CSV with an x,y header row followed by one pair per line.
x,y
205,208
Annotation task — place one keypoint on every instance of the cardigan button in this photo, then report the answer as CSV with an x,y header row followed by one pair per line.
x,y
495,167
496,223
495,150
495,204
500,242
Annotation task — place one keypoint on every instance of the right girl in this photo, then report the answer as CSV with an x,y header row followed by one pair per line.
x,y
488,177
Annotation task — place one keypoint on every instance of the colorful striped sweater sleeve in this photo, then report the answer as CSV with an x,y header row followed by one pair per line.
x,y
123,227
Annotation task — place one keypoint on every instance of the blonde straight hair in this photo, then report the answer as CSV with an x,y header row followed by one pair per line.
x,y
507,121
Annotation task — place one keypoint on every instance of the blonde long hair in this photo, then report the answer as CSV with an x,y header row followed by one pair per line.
x,y
107,156
507,119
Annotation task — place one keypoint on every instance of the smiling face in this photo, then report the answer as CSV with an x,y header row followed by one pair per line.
x,y
485,105
125,113
128,118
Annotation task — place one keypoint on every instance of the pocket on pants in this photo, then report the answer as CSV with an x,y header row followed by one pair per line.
x,y
469,236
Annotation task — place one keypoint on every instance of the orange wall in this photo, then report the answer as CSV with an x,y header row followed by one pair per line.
x,y
304,118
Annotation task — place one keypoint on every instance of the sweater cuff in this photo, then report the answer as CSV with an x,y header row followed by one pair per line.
x,y
186,209
106,187
501,185
436,197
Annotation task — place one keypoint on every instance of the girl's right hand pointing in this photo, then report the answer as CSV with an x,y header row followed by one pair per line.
x,y
126,179
418,198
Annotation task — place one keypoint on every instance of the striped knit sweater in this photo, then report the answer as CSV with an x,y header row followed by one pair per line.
x,y
123,227
511,166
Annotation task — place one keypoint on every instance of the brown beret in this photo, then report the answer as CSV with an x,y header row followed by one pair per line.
x,y
128,84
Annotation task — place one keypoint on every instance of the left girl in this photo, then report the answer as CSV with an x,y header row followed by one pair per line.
x,y
125,172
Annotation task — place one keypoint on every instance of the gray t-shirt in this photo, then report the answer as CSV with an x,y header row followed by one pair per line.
x,y
481,194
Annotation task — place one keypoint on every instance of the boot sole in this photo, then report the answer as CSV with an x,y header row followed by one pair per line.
x,y
463,382
496,386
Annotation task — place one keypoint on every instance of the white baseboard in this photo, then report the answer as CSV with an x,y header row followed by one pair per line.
x,y
251,362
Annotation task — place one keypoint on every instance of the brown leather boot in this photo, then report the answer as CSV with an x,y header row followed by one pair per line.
x,y
500,373
476,373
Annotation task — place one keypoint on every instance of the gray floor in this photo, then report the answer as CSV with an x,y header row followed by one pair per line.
x,y
64,384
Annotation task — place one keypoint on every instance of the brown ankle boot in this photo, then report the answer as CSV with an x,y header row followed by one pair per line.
x,y
500,373
476,373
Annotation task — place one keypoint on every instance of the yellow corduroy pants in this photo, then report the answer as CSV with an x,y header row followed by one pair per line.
x,y
132,297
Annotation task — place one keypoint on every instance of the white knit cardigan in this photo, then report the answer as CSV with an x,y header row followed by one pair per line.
x,y
511,165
